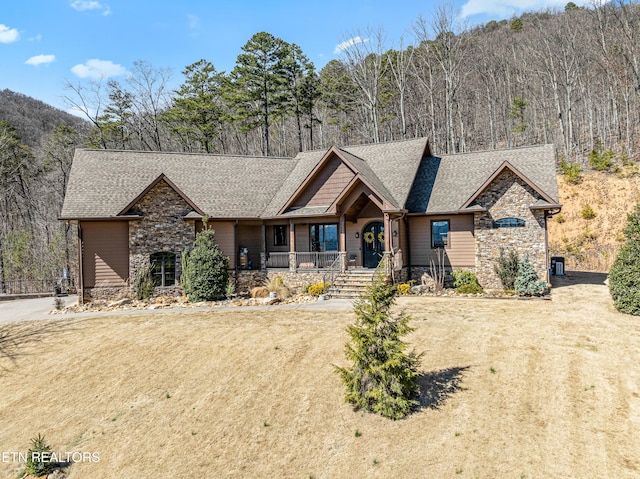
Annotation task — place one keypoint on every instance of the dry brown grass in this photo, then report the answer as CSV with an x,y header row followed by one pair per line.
x,y
593,244
512,389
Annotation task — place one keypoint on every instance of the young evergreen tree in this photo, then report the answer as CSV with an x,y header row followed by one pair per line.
x,y
383,378
205,272
527,282
624,277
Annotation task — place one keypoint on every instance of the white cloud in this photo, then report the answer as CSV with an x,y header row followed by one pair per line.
x,y
340,47
83,5
507,8
194,21
40,60
98,69
8,35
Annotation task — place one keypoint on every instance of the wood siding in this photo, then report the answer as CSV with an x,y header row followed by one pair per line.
x,y
327,185
460,253
250,236
224,231
105,253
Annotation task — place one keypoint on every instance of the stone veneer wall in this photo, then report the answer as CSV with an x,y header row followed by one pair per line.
x,y
509,196
246,280
296,281
162,229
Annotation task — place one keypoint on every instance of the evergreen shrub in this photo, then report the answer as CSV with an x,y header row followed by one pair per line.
x,y
383,377
205,269
624,277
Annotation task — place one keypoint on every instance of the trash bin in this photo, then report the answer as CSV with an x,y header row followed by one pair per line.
x,y
557,265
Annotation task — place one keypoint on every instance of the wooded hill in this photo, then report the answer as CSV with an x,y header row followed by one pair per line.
x,y
568,77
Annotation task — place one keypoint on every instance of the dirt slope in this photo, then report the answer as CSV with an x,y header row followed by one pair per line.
x,y
592,244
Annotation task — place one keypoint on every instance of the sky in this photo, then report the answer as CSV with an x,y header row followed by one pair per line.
x,y
45,44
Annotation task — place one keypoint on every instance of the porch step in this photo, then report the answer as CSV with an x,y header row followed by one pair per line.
x,y
351,284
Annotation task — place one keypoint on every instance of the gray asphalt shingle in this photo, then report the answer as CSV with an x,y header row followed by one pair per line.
x,y
103,182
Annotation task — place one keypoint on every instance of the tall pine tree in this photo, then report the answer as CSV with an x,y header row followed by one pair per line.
x,y
257,90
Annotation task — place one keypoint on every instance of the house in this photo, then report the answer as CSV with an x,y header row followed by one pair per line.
x,y
336,209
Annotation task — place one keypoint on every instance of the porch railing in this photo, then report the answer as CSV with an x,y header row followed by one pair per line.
x,y
303,259
316,259
278,260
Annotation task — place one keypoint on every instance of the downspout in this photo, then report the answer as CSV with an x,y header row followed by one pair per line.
x,y
548,214
235,254
80,268
408,234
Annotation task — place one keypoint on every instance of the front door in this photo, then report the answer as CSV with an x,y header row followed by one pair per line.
x,y
372,244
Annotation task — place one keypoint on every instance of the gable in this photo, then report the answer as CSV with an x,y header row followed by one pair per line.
x,y
325,185
506,176
159,200
160,191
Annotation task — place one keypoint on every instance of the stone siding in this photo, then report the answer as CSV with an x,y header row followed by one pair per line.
x,y
246,280
297,280
162,228
508,196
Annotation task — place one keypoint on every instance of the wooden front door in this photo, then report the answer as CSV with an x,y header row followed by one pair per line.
x,y
372,244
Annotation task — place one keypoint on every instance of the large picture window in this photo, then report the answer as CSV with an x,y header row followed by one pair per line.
x,y
163,269
323,237
280,235
439,234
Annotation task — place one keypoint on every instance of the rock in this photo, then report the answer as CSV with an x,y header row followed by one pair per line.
x,y
120,302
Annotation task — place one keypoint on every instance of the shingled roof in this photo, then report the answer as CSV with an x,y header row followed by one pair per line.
x,y
104,182
444,184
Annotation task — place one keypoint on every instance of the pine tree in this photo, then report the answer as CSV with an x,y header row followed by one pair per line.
x,y
624,277
205,272
256,90
527,283
197,111
383,378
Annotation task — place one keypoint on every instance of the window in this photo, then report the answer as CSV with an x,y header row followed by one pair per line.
x,y
323,237
439,234
509,223
280,235
163,269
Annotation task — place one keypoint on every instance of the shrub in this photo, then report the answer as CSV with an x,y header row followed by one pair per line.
x,y
601,160
507,268
259,292
572,172
318,288
383,378
470,289
526,283
587,212
143,284
205,272
277,286
624,277
36,466
560,218
404,288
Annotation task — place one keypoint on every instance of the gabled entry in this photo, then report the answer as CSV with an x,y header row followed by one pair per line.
x,y
372,244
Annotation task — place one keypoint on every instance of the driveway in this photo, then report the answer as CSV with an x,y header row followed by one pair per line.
x,y
39,308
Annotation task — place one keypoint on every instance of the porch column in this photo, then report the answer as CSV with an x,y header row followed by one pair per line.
x,y
342,242
387,233
263,246
292,246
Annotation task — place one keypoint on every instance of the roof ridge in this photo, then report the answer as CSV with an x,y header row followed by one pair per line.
x,y
475,152
187,153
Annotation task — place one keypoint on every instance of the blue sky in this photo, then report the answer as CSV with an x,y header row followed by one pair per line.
x,y
45,43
